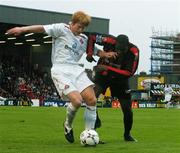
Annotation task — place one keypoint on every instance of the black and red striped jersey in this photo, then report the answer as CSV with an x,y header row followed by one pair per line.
x,y
127,61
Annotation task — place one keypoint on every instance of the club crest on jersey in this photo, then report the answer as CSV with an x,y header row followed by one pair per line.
x,y
81,41
66,86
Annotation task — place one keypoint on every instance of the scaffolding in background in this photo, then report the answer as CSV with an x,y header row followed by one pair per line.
x,y
165,52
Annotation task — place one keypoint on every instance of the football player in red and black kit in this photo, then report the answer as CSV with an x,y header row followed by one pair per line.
x,y
115,73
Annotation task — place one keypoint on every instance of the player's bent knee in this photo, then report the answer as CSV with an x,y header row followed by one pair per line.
x,y
91,101
76,102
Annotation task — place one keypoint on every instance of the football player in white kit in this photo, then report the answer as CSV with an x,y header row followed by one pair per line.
x,y
168,91
69,76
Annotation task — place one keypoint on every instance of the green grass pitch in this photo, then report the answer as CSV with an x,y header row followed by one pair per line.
x,y
39,130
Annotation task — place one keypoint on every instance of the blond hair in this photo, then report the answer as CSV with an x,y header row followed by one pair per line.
x,y
81,17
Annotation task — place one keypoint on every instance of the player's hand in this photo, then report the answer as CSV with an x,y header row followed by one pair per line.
x,y
110,54
15,31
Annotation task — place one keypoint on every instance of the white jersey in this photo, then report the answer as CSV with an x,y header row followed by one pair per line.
x,y
168,90
66,47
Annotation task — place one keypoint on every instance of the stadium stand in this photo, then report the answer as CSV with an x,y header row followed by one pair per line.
x,y
17,82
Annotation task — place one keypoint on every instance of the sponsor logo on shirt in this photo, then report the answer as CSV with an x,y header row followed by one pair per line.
x,y
72,49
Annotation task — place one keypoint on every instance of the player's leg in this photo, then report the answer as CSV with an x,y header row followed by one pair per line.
x,y
75,102
66,88
168,105
98,121
127,119
90,110
101,85
85,87
120,91
98,90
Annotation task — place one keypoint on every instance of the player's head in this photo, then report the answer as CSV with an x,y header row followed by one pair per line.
x,y
122,43
79,21
81,17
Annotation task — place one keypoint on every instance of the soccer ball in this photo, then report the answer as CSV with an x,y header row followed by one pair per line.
x,y
89,138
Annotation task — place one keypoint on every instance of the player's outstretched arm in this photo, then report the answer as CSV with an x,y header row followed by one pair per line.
x,y
16,31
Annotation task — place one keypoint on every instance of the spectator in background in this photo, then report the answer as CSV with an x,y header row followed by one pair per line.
x,y
1,74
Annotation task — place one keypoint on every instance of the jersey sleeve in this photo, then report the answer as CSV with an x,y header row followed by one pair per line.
x,y
54,30
99,39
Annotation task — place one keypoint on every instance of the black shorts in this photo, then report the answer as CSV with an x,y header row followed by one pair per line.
x,y
119,87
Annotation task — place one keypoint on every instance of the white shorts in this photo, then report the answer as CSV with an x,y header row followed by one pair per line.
x,y
68,82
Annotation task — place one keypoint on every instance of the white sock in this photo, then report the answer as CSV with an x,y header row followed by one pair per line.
x,y
70,115
90,117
